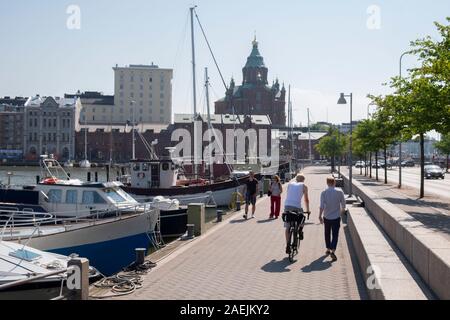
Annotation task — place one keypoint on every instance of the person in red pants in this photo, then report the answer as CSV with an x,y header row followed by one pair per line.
x,y
275,190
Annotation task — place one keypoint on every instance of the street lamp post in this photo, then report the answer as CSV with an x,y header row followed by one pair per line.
x,y
342,100
400,144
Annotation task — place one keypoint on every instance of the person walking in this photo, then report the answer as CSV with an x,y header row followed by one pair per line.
x,y
275,191
250,191
296,191
332,205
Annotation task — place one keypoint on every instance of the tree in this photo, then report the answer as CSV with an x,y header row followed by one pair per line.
x,y
421,101
386,128
444,147
361,140
331,146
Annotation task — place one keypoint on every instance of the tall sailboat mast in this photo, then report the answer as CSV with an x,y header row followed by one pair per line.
x,y
310,143
194,88
85,136
211,161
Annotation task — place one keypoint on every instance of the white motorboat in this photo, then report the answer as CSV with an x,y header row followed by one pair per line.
x,y
98,221
18,262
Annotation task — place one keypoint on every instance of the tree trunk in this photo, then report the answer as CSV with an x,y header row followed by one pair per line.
x,y
365,164
376,166
422,166
360,169
370,164
333,166
446,169
385,165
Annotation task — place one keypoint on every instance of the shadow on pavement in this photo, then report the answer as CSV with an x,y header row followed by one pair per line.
x,y
277,266
266,221
317,265
241,220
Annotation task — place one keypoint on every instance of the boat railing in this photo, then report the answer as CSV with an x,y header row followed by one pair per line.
x,y
72,294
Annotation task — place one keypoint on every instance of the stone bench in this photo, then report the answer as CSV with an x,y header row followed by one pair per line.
x,y
427,251
387,274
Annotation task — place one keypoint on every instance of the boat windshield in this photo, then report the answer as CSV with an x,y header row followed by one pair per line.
x,y
114,195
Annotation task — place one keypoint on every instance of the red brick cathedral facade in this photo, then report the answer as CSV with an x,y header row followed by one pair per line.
x,y
255,96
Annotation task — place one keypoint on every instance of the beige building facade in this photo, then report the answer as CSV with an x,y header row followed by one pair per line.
x,y
142,92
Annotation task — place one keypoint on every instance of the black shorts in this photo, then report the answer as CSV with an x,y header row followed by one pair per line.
x,y
250,199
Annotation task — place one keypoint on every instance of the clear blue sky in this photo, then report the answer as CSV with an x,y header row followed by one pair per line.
x,y
319,47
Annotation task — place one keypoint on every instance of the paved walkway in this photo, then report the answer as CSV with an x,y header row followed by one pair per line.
x,y
246,260
432,211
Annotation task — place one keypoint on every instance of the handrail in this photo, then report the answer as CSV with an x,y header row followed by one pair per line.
x,y
32,278
93,217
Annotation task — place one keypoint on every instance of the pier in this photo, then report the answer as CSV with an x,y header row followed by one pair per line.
x,y
245,259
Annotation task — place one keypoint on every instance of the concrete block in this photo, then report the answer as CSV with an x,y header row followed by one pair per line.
x,y
403,239
196,216
420,258
389,226
439,275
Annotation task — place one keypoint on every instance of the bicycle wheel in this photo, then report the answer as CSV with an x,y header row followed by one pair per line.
x,y
292,242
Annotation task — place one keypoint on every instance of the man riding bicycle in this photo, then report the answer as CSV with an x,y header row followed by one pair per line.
x,y
295,192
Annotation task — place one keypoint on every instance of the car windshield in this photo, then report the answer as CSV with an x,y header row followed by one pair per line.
x,y
432,168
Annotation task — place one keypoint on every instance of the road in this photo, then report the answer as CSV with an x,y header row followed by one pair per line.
x,y
411,178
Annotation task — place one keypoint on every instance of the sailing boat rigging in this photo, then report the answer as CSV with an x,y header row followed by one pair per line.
x,y
160,177
85,163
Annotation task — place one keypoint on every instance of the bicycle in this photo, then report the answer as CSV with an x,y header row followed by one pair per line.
x,y
296,219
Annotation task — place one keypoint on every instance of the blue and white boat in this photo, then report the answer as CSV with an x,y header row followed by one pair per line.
x,y
98,221
18,262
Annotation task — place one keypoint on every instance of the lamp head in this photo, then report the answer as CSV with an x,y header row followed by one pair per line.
x,y
342,99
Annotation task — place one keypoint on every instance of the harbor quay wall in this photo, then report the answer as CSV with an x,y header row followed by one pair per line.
x,y
426,251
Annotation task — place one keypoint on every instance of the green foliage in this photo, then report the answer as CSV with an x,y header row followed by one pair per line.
x,y
444,145
332,145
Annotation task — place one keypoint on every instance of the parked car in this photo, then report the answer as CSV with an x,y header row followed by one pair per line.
x,y
378,165
360,164
408,163
434,172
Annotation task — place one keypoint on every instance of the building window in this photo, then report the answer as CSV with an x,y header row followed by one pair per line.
x,y
161,95
161,103
151,80
132,79
141,111
54,122
141,87
35,122
44,123
132,94
132,86
31,122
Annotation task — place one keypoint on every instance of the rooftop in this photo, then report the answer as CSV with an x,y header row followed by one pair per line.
x,y
223,118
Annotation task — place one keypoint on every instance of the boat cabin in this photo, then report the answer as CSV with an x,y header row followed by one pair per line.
x,y
153,173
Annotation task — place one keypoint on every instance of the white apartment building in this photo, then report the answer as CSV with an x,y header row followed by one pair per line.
x,y
142,92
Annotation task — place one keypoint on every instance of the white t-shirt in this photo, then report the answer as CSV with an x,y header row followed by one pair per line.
x,y
294,195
